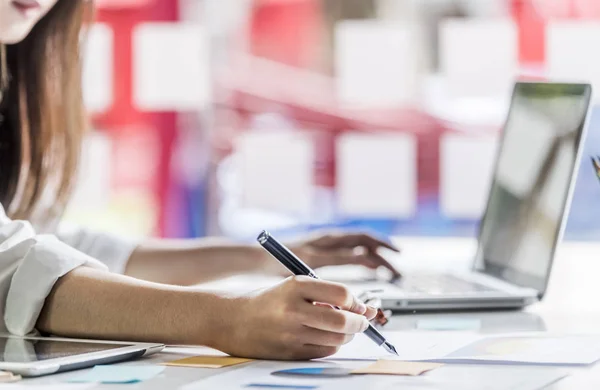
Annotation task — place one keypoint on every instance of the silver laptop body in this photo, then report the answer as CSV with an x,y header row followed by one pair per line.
x,y
527,207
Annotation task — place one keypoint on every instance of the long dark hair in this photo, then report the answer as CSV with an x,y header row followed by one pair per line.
x,y
43,114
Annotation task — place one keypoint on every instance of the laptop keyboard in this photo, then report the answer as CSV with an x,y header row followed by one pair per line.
x,y
440,284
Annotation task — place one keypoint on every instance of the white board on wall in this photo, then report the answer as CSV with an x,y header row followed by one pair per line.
x,y
98,68
466,168
375,63
93,186
478,57
171,67
276,171
376,175
571,50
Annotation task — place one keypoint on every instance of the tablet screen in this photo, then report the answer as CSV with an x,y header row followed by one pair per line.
x,y
23,350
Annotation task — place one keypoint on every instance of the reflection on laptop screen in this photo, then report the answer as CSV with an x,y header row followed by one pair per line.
x,y
534,172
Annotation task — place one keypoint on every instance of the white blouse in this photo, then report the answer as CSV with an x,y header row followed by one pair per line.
x,y
31,263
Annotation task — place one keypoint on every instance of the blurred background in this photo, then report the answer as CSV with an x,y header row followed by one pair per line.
x,y
232,116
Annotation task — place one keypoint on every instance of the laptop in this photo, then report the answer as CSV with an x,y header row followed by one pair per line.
x,y
526,210
37,356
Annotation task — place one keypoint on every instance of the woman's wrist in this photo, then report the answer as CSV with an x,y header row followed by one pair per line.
x,y
219,321
192,317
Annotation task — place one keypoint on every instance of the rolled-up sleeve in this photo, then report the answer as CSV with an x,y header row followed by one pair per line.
x,y
112,250
30,265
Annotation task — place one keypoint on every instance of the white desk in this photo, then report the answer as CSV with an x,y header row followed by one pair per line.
x,y
571,306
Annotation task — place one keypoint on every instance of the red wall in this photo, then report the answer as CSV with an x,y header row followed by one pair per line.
x,y
123,120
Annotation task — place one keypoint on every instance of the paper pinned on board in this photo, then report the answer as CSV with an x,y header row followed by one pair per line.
x,y
376,175
98,68
276,170
375,63
569,57
466,169
171,67
479,57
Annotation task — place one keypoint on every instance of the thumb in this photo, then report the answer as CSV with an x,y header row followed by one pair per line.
x,y
356,306
370,313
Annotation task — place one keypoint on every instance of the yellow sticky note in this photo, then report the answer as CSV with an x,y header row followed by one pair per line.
x,y
395,367
9,377
208,362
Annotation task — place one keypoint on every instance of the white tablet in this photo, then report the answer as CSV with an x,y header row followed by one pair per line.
x,y
36,356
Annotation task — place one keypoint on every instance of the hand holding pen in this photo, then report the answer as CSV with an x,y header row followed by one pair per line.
x,y
298,267
284,323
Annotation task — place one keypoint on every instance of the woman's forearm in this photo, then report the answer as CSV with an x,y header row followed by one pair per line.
x,y
189,262
90,303
276,323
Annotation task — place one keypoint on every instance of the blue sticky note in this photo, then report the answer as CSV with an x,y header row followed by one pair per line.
x,y
118,374
449,324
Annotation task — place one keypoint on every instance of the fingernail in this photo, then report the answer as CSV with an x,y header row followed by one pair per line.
x,y
361,307
365,325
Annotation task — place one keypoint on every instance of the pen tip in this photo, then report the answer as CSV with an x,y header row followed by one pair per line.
x,y
390,348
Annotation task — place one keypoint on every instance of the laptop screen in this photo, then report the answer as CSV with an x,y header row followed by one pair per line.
x,y
533,176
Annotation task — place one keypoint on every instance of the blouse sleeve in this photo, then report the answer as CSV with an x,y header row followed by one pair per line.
x,y
30,265
110,249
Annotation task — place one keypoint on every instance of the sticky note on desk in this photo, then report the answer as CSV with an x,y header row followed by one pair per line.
x,y
118,374
449,324
208,362
395,367
280,386
58,386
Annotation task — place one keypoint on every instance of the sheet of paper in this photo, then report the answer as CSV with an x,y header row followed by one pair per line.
x,y
208,362
449,377
397,367
450,347
376,175
375,63
448,323
171,67
113,374
478,378
479,57
276,170
568,54
410,346
277,385
527,349
259,374
466,169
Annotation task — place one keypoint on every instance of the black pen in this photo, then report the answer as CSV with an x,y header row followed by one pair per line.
x,y
298,267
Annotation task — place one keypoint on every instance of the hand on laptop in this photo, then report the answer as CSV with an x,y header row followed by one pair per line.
x,y
342,249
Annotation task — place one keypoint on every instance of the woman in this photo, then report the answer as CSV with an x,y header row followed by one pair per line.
x,y
96,286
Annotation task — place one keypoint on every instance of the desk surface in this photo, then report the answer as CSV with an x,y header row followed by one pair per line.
x,y
569,307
